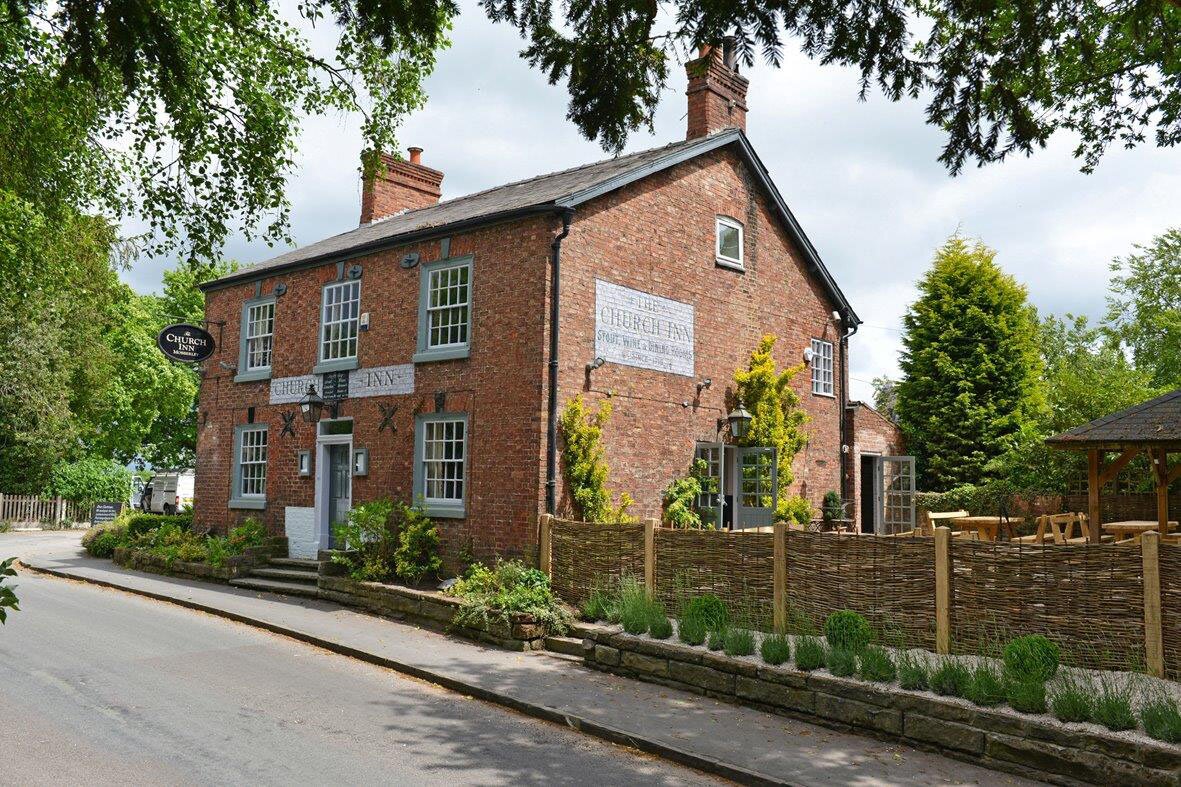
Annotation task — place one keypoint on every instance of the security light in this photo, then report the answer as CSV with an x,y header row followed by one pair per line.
x,y
704,383
595,364
809,354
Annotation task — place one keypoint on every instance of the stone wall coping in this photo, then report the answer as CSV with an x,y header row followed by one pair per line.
x,y
998,737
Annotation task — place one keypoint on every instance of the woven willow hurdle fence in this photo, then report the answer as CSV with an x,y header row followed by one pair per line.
x,y
1108,606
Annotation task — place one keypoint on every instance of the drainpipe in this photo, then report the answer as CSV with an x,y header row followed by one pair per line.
x,y
846,459
551,427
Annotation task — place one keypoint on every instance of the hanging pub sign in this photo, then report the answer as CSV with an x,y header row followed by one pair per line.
x,y
185,343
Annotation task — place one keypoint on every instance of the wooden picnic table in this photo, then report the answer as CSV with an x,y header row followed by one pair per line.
x,y
1134,528
987,527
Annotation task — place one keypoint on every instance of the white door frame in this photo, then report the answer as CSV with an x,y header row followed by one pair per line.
x,y
323,526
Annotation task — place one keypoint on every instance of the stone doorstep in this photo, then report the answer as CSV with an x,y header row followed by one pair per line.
x,y
992,736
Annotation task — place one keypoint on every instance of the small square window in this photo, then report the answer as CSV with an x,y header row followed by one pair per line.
x,y
728,245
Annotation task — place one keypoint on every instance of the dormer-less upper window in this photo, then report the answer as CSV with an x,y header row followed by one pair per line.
x,y
728,242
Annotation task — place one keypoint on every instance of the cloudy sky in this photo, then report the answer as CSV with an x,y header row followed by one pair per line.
x,y
861,177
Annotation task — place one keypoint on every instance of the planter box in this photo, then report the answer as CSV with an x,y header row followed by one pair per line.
x,y
234,567
1001,739
428,608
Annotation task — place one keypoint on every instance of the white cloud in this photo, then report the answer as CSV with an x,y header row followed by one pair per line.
x,y
862,177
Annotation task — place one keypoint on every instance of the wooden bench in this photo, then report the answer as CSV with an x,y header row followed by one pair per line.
x,y
929,520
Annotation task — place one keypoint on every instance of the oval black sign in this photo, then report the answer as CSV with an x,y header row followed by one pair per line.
x,y
185,343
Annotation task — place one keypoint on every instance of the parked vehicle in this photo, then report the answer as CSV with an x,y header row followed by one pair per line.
x,y
168,492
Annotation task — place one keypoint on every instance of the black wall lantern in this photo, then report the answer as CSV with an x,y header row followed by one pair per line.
x,y
311,406
738,421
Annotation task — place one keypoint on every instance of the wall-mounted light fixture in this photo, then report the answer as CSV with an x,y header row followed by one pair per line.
x,y
595,364
312,405
809,354
737,420
704,383
836,316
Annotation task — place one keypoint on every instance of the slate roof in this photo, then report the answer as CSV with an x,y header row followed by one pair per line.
x,y
1156,422
542,194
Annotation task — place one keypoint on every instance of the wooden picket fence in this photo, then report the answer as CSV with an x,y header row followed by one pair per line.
x,y
27,510
1101,603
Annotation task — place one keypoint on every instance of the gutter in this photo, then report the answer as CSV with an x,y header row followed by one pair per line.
x,y
551,426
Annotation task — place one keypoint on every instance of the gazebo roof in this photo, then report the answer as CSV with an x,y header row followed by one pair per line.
x,y
1155,423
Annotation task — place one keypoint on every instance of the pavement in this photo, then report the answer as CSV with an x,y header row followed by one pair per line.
x,y
729,740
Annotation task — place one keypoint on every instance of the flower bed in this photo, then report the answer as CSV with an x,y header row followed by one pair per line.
x,y
1032,745
428,608
231,568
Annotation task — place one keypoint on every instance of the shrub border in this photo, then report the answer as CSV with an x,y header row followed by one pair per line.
x,y
995,738
236,566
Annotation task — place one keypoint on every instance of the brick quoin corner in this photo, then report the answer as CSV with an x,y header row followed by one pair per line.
x,y
655,234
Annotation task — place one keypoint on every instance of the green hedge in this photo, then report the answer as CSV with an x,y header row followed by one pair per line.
x,y
136,522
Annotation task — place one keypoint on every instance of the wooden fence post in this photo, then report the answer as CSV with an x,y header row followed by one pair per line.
x,y
943,589
779,577
545,560
59,509
1154,652
650,557
2,517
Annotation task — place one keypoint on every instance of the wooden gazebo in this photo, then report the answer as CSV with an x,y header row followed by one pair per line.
x,y
1152,427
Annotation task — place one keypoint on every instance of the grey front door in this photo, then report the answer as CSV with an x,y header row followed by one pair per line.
x,y
340,483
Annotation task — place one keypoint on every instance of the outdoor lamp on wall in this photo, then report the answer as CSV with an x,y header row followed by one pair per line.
x,y
595,364
738,420
809,354
311,405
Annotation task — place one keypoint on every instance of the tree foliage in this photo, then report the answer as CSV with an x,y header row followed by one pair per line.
x,y
1144,309
972,373
186,114
999,78
90,480
585,465
776,419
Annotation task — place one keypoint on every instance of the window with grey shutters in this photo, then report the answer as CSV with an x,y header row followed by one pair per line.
x,y
822,381
445,310
440,466
249,466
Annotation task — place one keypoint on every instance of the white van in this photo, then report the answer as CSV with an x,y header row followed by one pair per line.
x,y
168,492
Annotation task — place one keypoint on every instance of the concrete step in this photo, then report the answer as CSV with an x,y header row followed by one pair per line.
x,y
569,646
290,574
295,562
275,586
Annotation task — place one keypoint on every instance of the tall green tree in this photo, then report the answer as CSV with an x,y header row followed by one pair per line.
x,y
1144,308
972,374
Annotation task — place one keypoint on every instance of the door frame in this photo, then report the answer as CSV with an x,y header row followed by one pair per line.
x,y
323,484
880,491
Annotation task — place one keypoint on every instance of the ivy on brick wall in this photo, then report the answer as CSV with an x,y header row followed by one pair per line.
x,y
584,464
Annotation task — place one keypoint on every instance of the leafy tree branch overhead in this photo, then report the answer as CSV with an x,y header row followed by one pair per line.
x,y
186,114
999,77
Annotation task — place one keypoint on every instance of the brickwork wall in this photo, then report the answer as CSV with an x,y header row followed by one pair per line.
x,y
657,235
499,386
872,434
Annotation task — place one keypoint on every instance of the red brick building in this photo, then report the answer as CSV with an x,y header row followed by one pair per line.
x,y
434,322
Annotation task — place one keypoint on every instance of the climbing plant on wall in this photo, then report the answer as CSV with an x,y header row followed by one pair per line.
x,y
585,465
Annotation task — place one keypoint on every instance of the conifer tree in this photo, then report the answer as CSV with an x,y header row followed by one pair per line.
x,y
972,374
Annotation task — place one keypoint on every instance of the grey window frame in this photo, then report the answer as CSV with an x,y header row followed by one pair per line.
x,y
425,352
818,359
237,499
441,509
738,264
245,373
337,364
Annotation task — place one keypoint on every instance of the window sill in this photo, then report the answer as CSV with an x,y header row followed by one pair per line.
x,y
825,395
250,503
444,510
442,354
254,375
733,265
337,365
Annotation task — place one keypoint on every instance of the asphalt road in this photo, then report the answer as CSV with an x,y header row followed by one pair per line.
x,y
102,687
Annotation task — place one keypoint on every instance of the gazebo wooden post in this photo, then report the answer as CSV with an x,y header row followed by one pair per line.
x,y
1161,468
1093,494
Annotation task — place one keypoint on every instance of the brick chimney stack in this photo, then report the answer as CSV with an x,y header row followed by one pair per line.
x,y
717,92
399,186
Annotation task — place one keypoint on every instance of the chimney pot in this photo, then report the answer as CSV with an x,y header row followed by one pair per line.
x,y
415,155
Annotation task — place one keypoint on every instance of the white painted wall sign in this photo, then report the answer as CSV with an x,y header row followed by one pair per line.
x,y
289,390
382,381
635,328
375,381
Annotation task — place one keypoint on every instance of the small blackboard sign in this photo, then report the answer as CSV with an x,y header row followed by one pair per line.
x,y
336,385
104,512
